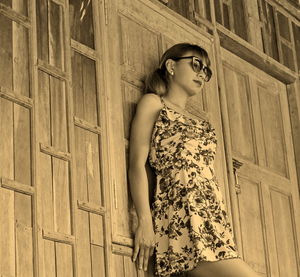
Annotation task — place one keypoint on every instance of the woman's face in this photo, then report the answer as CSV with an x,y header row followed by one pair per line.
x,y
185,77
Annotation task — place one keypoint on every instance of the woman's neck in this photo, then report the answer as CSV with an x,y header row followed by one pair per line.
x,y
176,98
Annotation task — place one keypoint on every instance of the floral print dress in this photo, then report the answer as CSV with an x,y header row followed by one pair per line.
x,y
190,220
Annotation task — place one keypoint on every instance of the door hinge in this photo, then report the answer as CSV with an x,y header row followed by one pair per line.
x,y
236,165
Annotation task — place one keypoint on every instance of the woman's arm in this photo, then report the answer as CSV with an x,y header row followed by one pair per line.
x,y
140,138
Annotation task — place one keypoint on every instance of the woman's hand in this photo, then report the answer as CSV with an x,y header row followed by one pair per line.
x,y
143,244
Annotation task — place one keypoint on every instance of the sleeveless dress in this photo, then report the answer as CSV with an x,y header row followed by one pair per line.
x,y
189,215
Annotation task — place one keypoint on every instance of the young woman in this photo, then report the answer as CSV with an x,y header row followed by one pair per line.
x,y
187,225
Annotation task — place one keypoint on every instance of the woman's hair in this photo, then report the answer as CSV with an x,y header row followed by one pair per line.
x,y
157,82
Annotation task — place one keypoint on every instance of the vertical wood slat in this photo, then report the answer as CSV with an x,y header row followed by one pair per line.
x,y
24,250
103,11
20,59
98,260
83,244
61,196
6,48
22,144
80,164
42,30
93,158
48,257
55,35
64,266
59,133
7,230
44,176
96,229
7,218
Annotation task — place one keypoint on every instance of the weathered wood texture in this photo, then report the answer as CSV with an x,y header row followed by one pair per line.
x,y
268,191
71,73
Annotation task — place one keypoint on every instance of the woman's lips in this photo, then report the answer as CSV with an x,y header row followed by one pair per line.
x,y
198,82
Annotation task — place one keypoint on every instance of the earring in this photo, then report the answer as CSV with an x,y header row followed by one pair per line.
x,y
172,73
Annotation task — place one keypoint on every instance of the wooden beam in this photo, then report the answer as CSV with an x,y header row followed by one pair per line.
x,y
249,53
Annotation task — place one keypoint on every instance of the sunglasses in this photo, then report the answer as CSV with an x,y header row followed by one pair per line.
x,y
197,66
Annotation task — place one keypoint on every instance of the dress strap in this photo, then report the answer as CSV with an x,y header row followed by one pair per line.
x,y
162,101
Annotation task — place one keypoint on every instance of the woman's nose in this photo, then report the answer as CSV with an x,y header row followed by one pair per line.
x,y
201,74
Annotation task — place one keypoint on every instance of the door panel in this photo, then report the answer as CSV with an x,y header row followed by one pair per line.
x,y
267,194
240,119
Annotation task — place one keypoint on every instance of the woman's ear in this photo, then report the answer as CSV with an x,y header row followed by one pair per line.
x,y
170,64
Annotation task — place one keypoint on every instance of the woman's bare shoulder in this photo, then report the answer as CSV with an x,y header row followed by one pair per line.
x,y
149,103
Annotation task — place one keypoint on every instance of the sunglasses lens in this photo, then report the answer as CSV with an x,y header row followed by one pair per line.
x,y
208,73
198,66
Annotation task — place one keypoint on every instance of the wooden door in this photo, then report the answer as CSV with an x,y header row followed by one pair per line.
x,y
139,34
54,166
72,171
266,182
17,189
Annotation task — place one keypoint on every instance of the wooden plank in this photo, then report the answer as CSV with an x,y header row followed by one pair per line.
x,y
21,19
250,54
117,239
78,99
42,30
20,6
44,108
91,207
7,218
273,132
52,70
98,261
285,235
44,176
49,258
59,237
80,170
96,229
118,265
122,250
22,144
59,129
130,268
61,196
86,125
84,50
93,167
23,212
251,214
24,250
16,186
89,90
7,231
16,97
64,261
56,57
83,244
241,122
20,42
6,52
54,152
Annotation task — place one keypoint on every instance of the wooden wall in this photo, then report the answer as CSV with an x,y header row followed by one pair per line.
x,y
71,73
